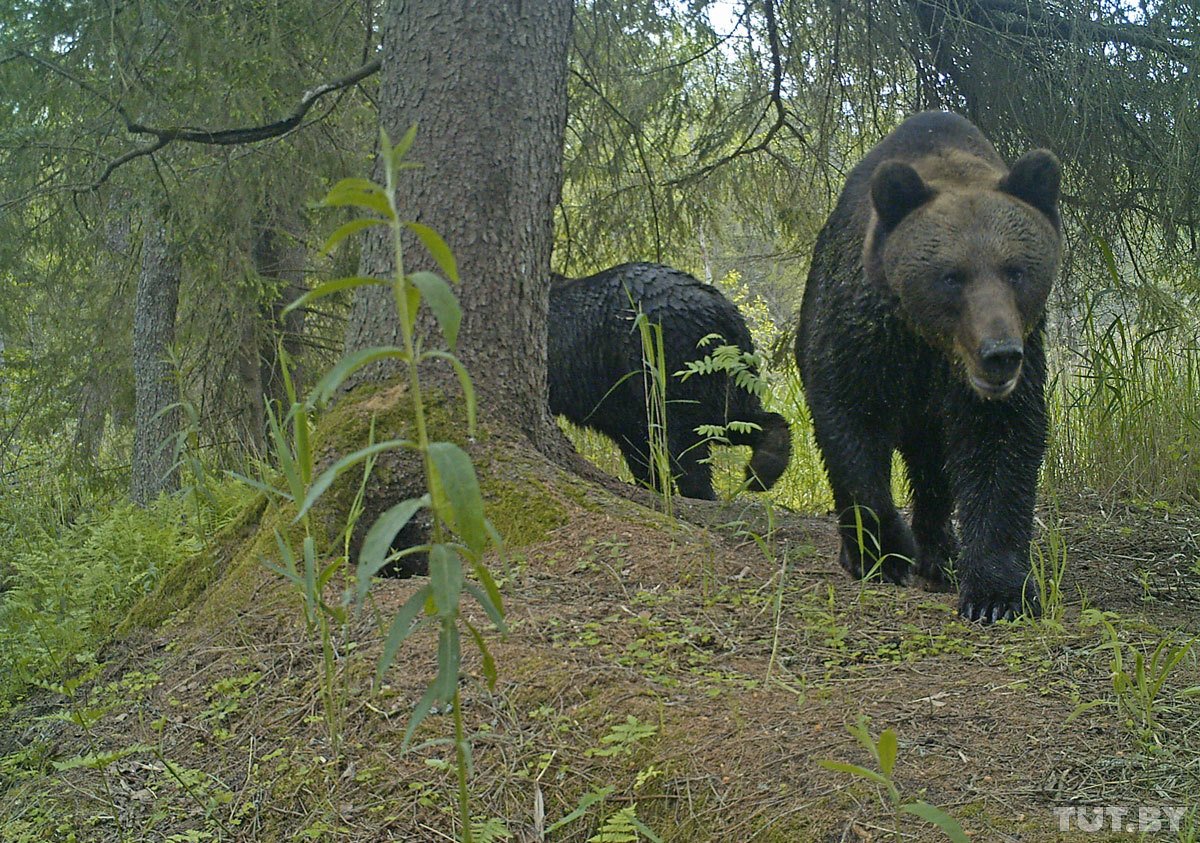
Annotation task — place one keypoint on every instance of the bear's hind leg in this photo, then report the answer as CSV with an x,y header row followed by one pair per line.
x,y
693,477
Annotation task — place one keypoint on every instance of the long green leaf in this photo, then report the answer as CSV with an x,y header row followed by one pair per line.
x,y
419,712
99,760
329,288
441,300
311,594
353,184
257,484
588,800
644,829
489,663
938,817
449,659
446,579
493,611
888,750
397,152
283,454
301,428
331,380
401,628
378,540
437,248
330,474
283,572
346,230
285,552
359,193
464,381
855,770
456,494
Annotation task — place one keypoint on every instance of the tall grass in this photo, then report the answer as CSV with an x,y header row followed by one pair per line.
x,y
1125,413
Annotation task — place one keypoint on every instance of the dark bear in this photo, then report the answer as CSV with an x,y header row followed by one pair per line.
x,y
595,345
921,331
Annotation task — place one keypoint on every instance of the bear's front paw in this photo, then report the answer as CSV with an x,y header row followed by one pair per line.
x,y
994,602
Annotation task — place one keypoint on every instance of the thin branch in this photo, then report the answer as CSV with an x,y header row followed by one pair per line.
x,y
776,103
639,147
253,134
216,137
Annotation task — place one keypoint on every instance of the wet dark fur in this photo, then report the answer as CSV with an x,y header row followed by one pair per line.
x,y
959,256
593,344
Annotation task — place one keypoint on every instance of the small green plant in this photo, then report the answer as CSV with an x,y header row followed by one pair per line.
x,y
866,537
623,738
884,752
292,480
622,826
460,532
1137,679
490,830
66,588
743,367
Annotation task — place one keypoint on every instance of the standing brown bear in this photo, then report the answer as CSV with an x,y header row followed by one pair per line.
x,y
921,331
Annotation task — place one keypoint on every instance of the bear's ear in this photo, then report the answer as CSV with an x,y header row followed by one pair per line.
x,y
1036,178
897,190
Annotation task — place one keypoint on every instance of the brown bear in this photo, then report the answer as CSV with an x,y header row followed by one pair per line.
x,y
921,331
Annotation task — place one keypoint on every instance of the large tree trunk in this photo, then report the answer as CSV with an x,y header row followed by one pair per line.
x,y
486,85
155,387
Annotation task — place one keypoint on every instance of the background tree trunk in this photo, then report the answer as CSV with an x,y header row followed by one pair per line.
x,y
280,255
486,85
155,387
277,255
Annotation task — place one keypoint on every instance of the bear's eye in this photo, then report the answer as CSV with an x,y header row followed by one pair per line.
x,y
1016,274
951,279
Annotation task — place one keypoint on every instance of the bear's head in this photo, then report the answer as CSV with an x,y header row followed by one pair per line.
x,y
972,254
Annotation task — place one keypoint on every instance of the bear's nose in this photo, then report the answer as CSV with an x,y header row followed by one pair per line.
x,y
1001,360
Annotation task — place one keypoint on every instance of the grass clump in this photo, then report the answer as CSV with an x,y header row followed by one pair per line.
x,y
65,591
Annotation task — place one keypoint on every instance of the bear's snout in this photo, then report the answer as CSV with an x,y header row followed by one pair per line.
x,y
1000,366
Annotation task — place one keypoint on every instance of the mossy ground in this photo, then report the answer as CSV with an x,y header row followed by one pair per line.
x,y
694,672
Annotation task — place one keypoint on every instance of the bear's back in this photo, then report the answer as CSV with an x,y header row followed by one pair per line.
x,y
603,309
594,340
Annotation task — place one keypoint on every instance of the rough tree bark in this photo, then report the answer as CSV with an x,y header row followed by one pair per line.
x,y
486,84
155,387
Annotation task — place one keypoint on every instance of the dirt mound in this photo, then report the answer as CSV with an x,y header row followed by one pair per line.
x,y
689,677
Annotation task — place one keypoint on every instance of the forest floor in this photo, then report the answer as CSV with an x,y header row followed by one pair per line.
x,y
689,673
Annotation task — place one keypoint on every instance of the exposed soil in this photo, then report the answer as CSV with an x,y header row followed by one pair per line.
x,y
741,654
